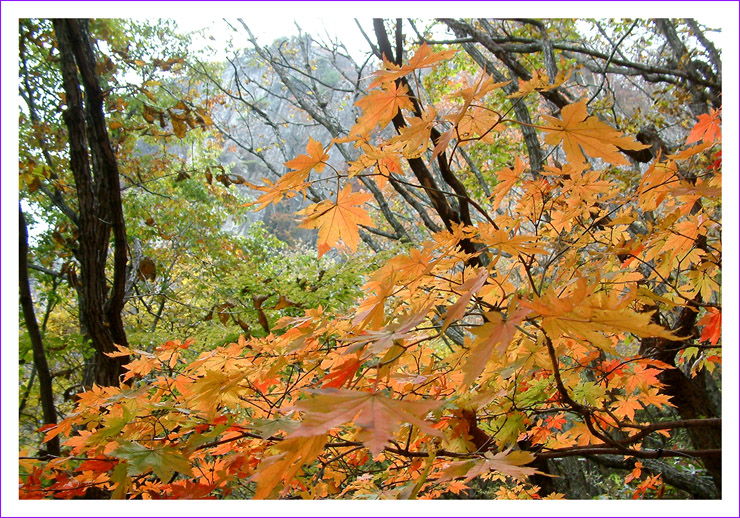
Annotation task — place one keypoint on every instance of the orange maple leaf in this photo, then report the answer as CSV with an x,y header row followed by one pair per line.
x,y
140,366
509,463
635,474
479,123
283,466
274,192
384,159
424,57
470,287
338,220
495,332
339,376
625,407
540,81
414,138
652,396
712,323
304,164
708,128
581,134
379,107
499,239
376,415
505,180
584,314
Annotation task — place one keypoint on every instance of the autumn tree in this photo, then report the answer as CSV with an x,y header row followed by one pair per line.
x,y
562,304
188,273
70,170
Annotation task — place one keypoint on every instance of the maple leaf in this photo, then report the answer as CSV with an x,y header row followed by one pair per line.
x,y
283,467
372,310
652,396
478,123
495,332
478,90
424,57
625,407
161,460
304,164
470,287
217,388
654,184
505,180
708,128
382,339
377,416
412,267
540,82
414,138
112,424
457,486
338,220
509,463
339,376
482,85
641,377
712,323
499,239
692,151
584,314
379,107
635,474
579,132
140,366
384,159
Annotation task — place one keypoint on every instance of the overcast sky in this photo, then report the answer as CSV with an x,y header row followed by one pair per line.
x,y
268,28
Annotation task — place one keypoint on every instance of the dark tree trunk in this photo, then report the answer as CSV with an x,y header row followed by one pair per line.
x,y
690,395
99,201
39,355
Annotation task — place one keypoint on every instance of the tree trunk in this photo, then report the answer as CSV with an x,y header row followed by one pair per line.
x,y
690,395
99,201
39,355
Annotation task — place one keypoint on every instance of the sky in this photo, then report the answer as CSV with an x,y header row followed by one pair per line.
x,y
267,29
272,19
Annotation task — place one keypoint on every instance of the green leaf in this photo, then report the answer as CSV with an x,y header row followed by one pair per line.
x,y
120,475
589,393
510,428
162,461
112,426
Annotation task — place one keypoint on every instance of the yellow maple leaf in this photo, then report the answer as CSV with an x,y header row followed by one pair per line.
x,y
581,134
338,220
